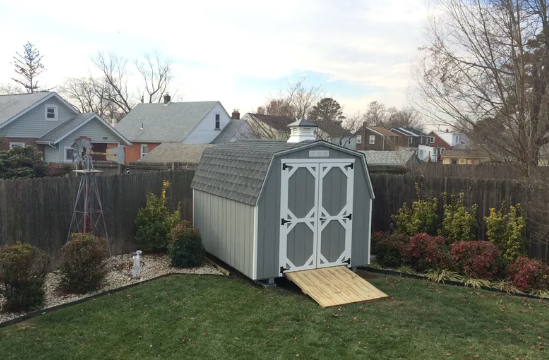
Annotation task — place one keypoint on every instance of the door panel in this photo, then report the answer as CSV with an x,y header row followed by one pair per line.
x,y
335,213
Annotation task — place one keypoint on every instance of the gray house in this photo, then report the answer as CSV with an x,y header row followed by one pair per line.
x,y
47,122
267,207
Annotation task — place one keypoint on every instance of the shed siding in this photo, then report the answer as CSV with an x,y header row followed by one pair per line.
x,y
95,130
33,124
205,132
227,229
269,213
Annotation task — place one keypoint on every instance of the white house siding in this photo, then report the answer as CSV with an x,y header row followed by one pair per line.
x,y
95,130
51,154
205,132
424,152
33,124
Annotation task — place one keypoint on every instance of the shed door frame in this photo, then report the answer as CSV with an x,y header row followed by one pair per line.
x,y
312,219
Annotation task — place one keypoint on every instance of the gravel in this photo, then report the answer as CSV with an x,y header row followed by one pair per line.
x,y
151,266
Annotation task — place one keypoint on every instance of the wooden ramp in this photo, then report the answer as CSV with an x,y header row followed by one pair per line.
x,y
333,286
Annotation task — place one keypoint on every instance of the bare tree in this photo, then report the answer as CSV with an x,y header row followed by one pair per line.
x,y
157,74
302,98
405,117
28,66
279,107
8,89
114,74
376,114
488,61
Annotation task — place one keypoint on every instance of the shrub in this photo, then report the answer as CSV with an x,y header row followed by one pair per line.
x,y
458,223
83,265
427,252
23,269
529,274
476,259
388,248
506,231
185,249
21,162
420,218
154,222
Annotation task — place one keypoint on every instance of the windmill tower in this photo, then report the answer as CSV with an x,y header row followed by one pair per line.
x,y
87,216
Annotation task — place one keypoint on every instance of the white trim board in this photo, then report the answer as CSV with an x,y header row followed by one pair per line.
x,y
256,239
102,121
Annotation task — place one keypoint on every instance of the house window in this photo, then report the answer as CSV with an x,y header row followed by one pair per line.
x,y
217,122
441,151
410,140
372,139
69,154
359,139
143,150
431,139
51,112
14,144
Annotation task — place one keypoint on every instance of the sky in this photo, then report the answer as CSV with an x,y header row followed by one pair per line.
x,y
240,52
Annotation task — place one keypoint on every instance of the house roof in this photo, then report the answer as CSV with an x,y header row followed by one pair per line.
x,y
303,123
72,124
230,131
163,123
390,158
409,131
13,105
279,123
381,131
176,152
333,128
467,153
238,170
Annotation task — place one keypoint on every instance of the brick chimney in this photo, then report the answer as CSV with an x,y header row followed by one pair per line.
x,y
235,115
167,99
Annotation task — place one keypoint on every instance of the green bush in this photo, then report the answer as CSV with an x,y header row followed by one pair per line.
x,y
506,231
154,222
185,249
458,224
23,269
21,162
83,266
388,248
420,218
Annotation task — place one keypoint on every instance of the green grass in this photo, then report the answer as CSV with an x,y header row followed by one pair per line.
x,y
207,317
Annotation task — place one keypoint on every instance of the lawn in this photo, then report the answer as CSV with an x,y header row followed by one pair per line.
x,y
213,317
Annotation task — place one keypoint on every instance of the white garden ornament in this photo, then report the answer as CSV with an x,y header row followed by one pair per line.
x,y
136,269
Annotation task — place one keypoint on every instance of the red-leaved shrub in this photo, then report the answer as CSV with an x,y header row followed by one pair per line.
x,y
427,252
476,259
529,274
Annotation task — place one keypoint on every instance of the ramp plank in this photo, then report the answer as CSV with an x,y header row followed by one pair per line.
x,y
333,286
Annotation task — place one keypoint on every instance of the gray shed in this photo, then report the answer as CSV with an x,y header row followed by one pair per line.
x,y
266,207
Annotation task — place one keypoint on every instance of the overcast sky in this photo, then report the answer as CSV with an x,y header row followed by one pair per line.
x,y
238,52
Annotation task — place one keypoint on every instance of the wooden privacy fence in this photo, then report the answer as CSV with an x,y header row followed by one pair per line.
x,y
392,191
39,211
481,171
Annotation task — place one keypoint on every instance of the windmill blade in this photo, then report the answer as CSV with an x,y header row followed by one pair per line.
x,y
116,154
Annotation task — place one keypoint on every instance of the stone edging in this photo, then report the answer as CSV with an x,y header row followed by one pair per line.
x,y
448,282
79,301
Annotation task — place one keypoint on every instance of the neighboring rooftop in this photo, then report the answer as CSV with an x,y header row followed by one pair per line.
x,y
176,152
409,131
12,105
231,131
65,127
279,123
467,153
162,123
381,131
401,157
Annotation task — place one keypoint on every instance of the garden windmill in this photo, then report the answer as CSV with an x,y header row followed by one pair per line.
x,y
87,216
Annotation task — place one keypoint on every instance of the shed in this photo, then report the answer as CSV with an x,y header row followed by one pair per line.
x,y
267,207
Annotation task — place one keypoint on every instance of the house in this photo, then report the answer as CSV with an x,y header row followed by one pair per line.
x,y
448,140
47,122
188,154
411,137
261,126
428,153
149,125
271,207
390,160
376,138
469,156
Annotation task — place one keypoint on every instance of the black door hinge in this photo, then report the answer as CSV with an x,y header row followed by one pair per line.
x,y
348,261
350,217
282,269
286,166
284,221
351,165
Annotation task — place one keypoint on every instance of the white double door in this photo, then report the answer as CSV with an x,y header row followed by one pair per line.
x,y
315,213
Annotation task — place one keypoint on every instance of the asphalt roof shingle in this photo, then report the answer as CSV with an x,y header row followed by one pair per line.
x,y
11,105
65,127
230,131
176,152
388,158
163,123
237,170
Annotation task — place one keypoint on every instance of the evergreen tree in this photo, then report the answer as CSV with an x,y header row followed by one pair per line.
x,y
28,66
326,109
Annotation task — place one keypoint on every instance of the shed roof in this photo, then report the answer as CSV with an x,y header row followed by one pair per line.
x,y
160,123
238,170
176,152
